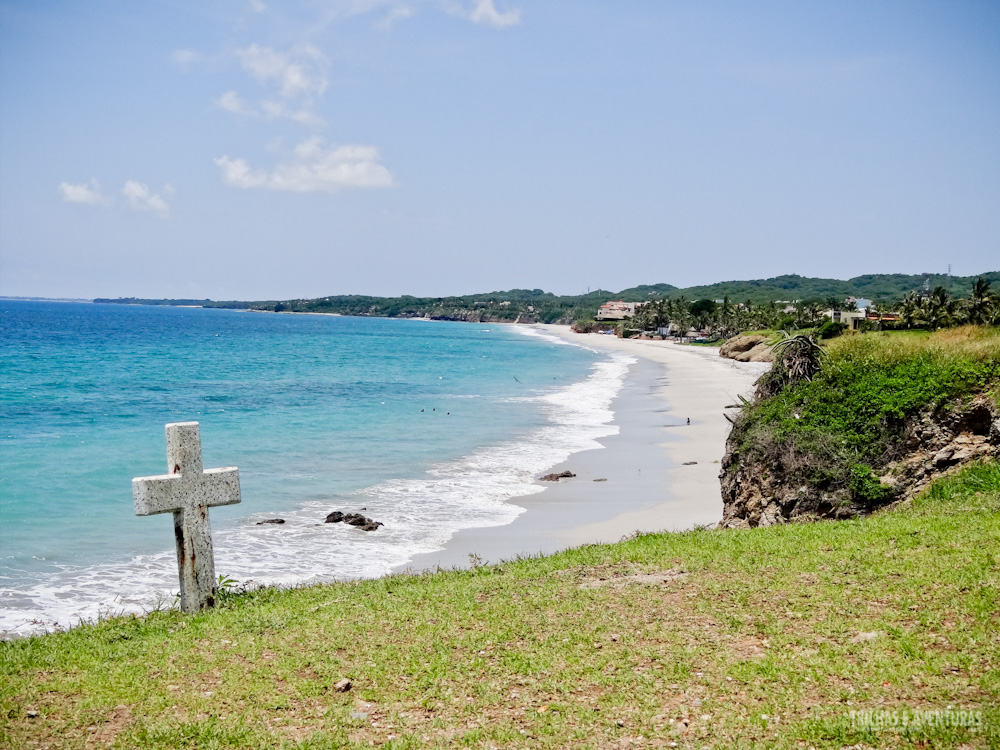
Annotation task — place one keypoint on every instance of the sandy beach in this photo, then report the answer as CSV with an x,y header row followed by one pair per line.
x,y
659,473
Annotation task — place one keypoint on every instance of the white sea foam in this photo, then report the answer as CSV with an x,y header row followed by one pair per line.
x,y
420,515
541,334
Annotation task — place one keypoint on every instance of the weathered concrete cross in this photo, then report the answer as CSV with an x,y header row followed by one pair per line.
x,y
187,491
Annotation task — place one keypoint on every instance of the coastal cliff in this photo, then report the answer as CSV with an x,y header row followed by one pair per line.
x,y
760,492
883,417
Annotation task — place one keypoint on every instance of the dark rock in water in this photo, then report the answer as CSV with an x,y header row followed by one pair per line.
x,y
689,463
271,520
556,477
602,479
354,519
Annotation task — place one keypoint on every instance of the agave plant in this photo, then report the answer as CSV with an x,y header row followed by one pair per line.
x,y
801,355
796,358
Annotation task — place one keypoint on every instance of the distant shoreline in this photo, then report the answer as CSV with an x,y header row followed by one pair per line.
x,y
74,300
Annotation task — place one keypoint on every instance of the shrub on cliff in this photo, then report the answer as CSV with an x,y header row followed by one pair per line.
x,y
797,358
824,441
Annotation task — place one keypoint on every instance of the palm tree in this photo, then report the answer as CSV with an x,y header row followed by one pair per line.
x,y
992,314
939,309
659,318
800,314
877,311
980,300
909,308
680,316
814,313
724,323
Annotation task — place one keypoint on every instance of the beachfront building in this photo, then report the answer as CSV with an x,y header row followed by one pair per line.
x,y
850,318
862,312
877,319
616,310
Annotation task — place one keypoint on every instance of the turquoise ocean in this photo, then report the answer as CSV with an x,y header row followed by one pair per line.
x,y
432,427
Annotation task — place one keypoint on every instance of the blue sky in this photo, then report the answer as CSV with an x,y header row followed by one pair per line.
x,y
251,149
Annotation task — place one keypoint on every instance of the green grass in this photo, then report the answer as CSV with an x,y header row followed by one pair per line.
x,y
854,412
729,639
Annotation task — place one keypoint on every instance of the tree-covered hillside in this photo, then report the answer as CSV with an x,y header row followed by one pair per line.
x,y
882,288
538,305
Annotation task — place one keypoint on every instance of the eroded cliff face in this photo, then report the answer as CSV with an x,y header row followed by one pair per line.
x,y
748,347
758,493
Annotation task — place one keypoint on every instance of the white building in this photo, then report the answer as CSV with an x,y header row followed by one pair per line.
x,y
850,318
617,310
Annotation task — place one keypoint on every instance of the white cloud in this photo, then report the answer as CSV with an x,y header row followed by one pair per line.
x,y
397,13
268,109
297,76
477,11
185,56
256,6
313,168
140,198
300,72
231,102
87,193
485,12
275,109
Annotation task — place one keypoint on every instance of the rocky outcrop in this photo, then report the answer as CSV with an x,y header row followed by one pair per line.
x,y
940,444
353,519
556,477
748,347
758,492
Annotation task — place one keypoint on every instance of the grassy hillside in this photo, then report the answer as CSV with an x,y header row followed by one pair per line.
x,y
839,430
806,635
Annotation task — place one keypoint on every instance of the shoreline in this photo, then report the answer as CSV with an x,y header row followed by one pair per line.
x,y
642,479
649,482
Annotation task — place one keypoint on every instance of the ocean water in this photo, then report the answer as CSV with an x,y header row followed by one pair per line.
x,y
431,427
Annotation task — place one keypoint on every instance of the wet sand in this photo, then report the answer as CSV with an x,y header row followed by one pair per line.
x,y
646,485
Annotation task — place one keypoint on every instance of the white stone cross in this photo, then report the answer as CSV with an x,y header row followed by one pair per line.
x,y
187,491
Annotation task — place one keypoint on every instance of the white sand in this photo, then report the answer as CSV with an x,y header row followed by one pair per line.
x,y
645,485
700,385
